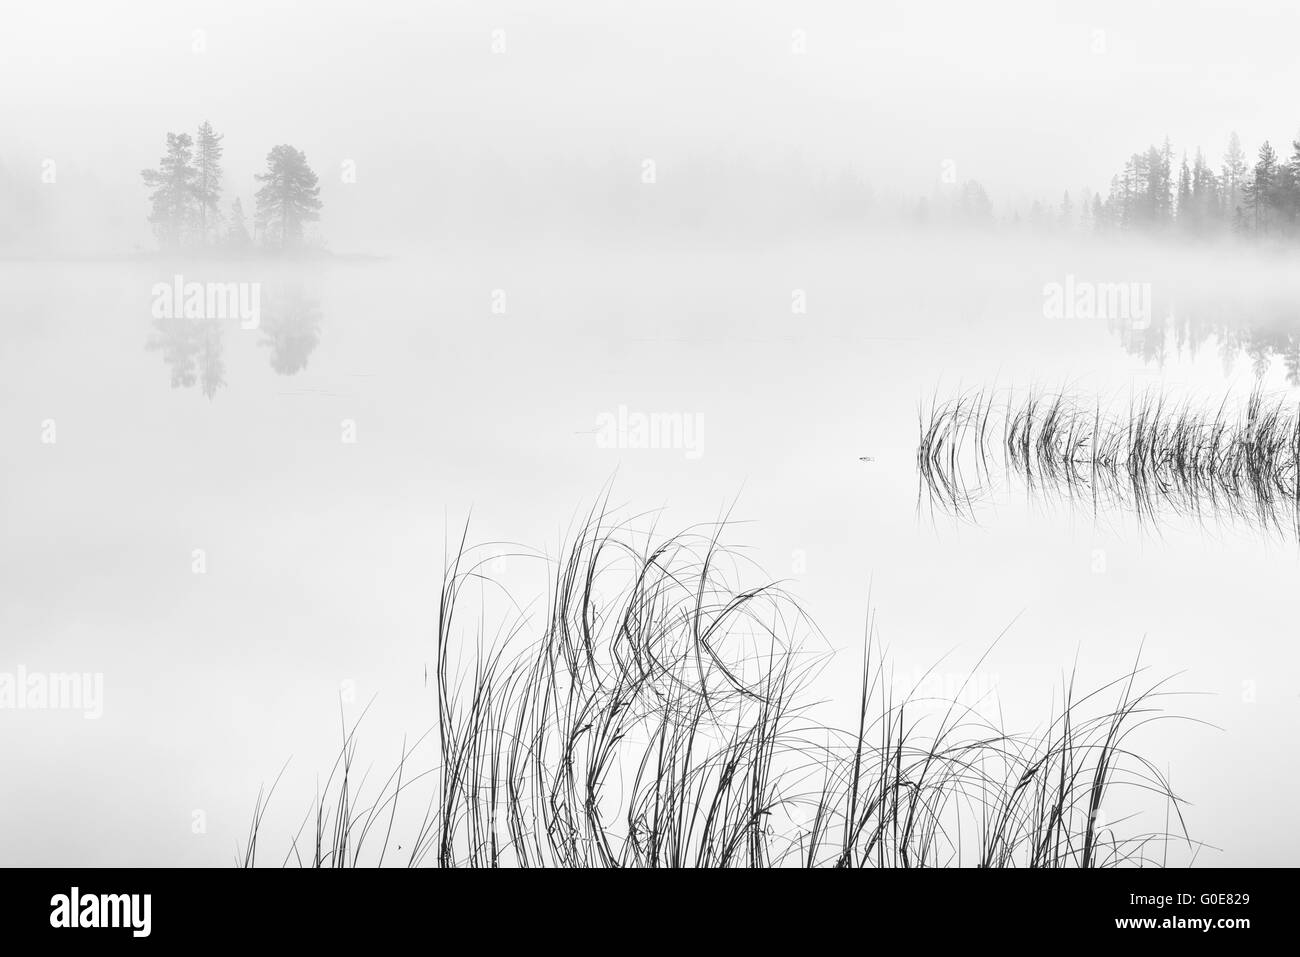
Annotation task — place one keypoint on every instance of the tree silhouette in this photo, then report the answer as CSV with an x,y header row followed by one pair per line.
x,y
1234,174
289,197
1261,189
1263,200
207,178
237,236
1186,218
172,196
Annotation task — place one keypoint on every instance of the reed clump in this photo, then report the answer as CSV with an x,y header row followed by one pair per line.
x,y
659,712
1154,456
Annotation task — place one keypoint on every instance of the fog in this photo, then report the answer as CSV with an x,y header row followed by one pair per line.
x,y
782,229
491,118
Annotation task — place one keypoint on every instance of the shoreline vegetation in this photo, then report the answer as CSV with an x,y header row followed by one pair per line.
x,y
658,712
1230,461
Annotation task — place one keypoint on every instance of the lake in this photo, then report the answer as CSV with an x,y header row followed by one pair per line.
x,y
238,527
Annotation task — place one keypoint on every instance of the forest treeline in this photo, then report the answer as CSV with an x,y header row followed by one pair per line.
x,y
185,197
1157,193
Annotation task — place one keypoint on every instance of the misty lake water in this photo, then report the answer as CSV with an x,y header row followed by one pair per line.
x,y
236,525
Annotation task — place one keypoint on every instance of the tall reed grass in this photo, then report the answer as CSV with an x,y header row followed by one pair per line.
x,y
658,712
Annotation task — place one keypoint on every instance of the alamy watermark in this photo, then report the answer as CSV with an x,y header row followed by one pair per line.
x,y
126,911
1129,302
626,429
931,690
24,690
208,300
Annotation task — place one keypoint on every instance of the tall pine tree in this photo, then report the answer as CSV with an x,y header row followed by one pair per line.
x,y
1186,216
289,197
172,208
207,179
1260,191
1234,177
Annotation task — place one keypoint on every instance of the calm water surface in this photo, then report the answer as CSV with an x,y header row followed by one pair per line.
x,y
473,379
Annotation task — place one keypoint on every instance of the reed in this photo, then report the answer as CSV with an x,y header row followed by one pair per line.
x,y
660,713
1154,457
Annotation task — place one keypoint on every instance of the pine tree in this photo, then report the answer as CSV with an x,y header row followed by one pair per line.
x,y
1289,188
1121,192
207,177
1260,190
1205,195
289,197
237,236
1234,175
1186,216
172,196
1163,198
1037,219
